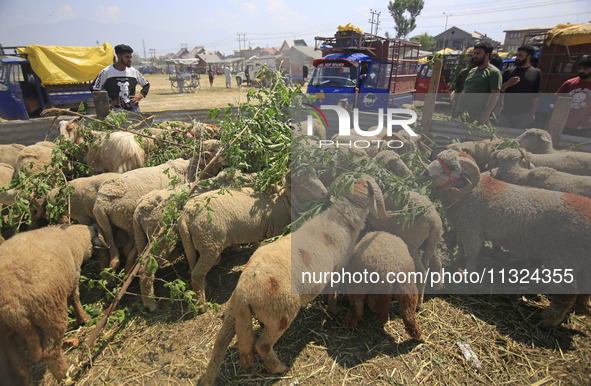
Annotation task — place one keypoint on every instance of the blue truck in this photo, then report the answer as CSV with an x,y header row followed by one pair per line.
x,y
35,78
364,71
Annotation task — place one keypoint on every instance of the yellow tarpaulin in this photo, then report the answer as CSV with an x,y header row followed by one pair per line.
x,y
60,65
569,34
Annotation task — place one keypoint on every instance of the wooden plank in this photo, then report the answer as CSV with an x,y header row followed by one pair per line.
x,y
429,106
558,117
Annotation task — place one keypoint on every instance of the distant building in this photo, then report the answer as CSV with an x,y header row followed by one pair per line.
x,y
458,39
516,37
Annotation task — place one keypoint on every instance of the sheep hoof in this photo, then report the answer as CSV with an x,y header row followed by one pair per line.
x,y
247,358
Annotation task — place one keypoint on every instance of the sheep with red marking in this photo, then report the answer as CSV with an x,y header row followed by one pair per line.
x,y
271,286
39,274
385,254
535,224
479,150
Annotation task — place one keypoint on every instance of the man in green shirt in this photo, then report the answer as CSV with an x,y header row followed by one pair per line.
x,y
482,86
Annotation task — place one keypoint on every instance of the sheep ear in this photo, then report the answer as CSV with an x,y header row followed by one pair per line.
x,y
545,139
98,241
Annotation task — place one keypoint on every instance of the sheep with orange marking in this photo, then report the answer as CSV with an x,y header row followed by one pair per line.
x,y
385,254
479,150
272,286
239,216
536,224
39,274
512,168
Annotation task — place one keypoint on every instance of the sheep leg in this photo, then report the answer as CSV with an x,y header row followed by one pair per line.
x,y
264,346
356,310
408,306
102,218
471,245
131,258
419,267
555,313
331,302
206,261
74,299
147,287
381,306
56,363
582,305
188,246
29,333
17,360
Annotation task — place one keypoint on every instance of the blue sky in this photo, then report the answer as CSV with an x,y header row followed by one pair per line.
x,y
166,24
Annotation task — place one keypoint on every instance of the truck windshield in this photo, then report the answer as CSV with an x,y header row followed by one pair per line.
x,y
334,77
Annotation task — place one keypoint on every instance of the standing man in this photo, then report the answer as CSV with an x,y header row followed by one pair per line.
x,y
120,81
482,86
579,117
228,76
521,85
247,75
210,74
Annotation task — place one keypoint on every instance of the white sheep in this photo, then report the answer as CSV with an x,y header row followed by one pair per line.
x,y
118,197
118,152
479,150
6,172
39,273
147,219
385,254
239,216
572,162
35,158
535,224
271,286
422,232
511,168
9,153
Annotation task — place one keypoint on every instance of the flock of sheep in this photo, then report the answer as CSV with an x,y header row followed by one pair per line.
x,y
539,213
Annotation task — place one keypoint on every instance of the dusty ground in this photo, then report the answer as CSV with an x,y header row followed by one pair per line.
x,y
171,347
162,98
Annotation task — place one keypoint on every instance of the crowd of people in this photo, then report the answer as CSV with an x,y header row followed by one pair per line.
x,y
478,89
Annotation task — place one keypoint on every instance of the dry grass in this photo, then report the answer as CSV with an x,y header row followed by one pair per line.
x,y
171,347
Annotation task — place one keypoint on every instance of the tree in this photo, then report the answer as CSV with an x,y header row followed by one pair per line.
x,y
398,9
428,42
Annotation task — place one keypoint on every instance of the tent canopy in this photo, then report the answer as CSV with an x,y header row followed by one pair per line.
x,y
64,65
569,34
186,62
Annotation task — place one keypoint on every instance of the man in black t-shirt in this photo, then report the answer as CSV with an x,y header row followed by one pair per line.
x,y
521,86
120,81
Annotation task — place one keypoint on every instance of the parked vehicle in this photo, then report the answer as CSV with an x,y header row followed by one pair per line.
x,y
34,78
364,71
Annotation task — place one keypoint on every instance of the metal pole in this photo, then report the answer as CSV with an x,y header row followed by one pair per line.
x,y
445,32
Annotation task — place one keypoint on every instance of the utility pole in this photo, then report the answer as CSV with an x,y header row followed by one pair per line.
x,y
372,22
445,31
241,42
152,53
144,44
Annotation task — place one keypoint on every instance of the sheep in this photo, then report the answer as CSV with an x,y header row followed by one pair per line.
x,y
239,216
83,196
148,216
35,157
271,286
6,172
536,141
301,128
391,161
118,152
511,169
39,273
375,143
572,162
118,197
423,232
9,153
479,150
385,254
535,224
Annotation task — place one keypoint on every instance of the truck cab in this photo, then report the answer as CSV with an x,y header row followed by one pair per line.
x,y
364,71
20,89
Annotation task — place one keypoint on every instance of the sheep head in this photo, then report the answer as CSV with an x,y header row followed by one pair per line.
x,y
367,193
71,131
454,171
535,140
509,157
